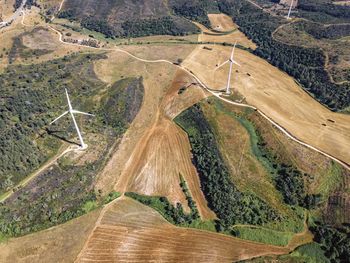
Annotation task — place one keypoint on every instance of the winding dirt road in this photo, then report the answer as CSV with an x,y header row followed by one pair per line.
x,y
14,16
217,94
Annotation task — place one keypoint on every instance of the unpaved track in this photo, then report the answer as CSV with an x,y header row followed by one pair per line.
x,y
131,232
64,150
15,15
334,149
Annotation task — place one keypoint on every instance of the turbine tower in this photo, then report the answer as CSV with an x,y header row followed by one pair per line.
x,y
290,9
71,111
231,61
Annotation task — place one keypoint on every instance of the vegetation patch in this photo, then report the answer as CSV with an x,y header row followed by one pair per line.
x,y
310,253
262,235
230,205
194,10
31,96
334,241
121,103
65,190
292,214
173,214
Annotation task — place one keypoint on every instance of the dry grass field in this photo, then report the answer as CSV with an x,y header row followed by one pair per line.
x,y
344,2
6,9
59,244
220,22
223,22
163,153
277,95
34,36
129,231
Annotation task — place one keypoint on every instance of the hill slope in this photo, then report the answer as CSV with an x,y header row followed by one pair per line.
x,y
126,18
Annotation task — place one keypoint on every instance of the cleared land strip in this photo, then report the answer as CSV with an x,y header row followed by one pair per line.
x,y
130,231
343,163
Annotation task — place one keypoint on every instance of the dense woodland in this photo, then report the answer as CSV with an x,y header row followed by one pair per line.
x,y
323,11
320,31
230,205
335,241
194,10
160,26
305,64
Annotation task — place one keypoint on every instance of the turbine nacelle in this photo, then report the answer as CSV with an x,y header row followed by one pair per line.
x,y
71,111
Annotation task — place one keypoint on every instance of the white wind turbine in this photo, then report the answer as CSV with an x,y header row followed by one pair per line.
x,y
71,111
290,9
231,61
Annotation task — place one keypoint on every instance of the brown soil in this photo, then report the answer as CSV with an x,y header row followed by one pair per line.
x,y
130,231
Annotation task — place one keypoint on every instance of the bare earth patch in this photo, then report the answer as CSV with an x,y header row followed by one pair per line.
x,y
42,38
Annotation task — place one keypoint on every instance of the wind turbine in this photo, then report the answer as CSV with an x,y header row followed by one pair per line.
x,y
231,61
71,111
290,9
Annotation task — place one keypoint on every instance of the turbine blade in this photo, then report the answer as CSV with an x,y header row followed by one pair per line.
x,y
221,65
235,62
80,112
68,100
233,50
59,117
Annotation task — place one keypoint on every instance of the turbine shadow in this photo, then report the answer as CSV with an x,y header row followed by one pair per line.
x,y
54,134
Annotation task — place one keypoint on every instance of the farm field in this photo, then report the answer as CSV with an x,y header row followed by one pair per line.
x,y
133,236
